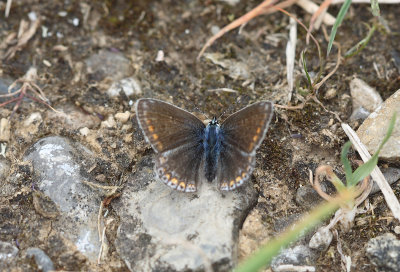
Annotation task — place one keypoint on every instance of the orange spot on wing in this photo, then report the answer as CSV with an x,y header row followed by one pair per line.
x,y
231,183
174,181
155,136
255,138
182,185
151,128
258,130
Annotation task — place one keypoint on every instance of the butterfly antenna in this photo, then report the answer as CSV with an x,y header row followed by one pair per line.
x,y
239,101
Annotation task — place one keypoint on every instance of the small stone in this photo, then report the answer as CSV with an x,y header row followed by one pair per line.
x,y
397,230
4,169
391,175
84,131
122,117
364,95
7,252
374,128
300,255
130,86
43,261
108,64
160,56
359,114
321,239
331,93
307,197
35,117
109,123
5,130
384,252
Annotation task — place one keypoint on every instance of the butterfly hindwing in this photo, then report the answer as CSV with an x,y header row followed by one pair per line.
x,y
176,136
242,134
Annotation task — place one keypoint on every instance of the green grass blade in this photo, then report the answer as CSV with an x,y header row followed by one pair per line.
x,y
339,19
303,54
365,169
264,255
375,8
361,44
345,161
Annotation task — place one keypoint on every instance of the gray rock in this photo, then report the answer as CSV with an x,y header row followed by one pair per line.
x,y
108,64
130,86
7,252
55,162
4,169
384,252
43,261
364,95
374,128
359,114
307,197
166,229
300,255
321,239
391,174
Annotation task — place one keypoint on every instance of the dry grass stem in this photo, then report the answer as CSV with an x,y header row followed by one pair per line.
x,y
25,33
312,8
290,56
366,1
260,9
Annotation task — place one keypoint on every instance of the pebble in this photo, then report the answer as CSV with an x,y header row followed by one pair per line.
x,y
110,64
364,95
43,261
7,252
5,130
129,86
122,117
384,252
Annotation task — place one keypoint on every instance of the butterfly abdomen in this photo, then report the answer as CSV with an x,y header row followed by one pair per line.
x,y
212,148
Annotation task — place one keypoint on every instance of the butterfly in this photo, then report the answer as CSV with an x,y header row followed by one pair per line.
x,y
188,151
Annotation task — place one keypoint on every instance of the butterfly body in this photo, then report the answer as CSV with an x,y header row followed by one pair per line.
x,y
187,150
212,147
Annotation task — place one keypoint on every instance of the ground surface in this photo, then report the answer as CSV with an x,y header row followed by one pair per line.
x,y
75,73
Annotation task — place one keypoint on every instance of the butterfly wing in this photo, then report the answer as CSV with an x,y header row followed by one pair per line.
x,y
176,136
242,134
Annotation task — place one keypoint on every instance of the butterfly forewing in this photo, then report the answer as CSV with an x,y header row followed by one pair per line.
x,y
176,136
246,129
165,126
242,134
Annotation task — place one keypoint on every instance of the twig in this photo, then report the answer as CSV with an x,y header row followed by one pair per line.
x,y
290,56
334,2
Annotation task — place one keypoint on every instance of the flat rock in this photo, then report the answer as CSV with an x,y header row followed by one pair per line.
x,y
163,229
374,128
57,162
384,252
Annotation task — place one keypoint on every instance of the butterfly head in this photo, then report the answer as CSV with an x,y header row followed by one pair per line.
x,y
214,122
